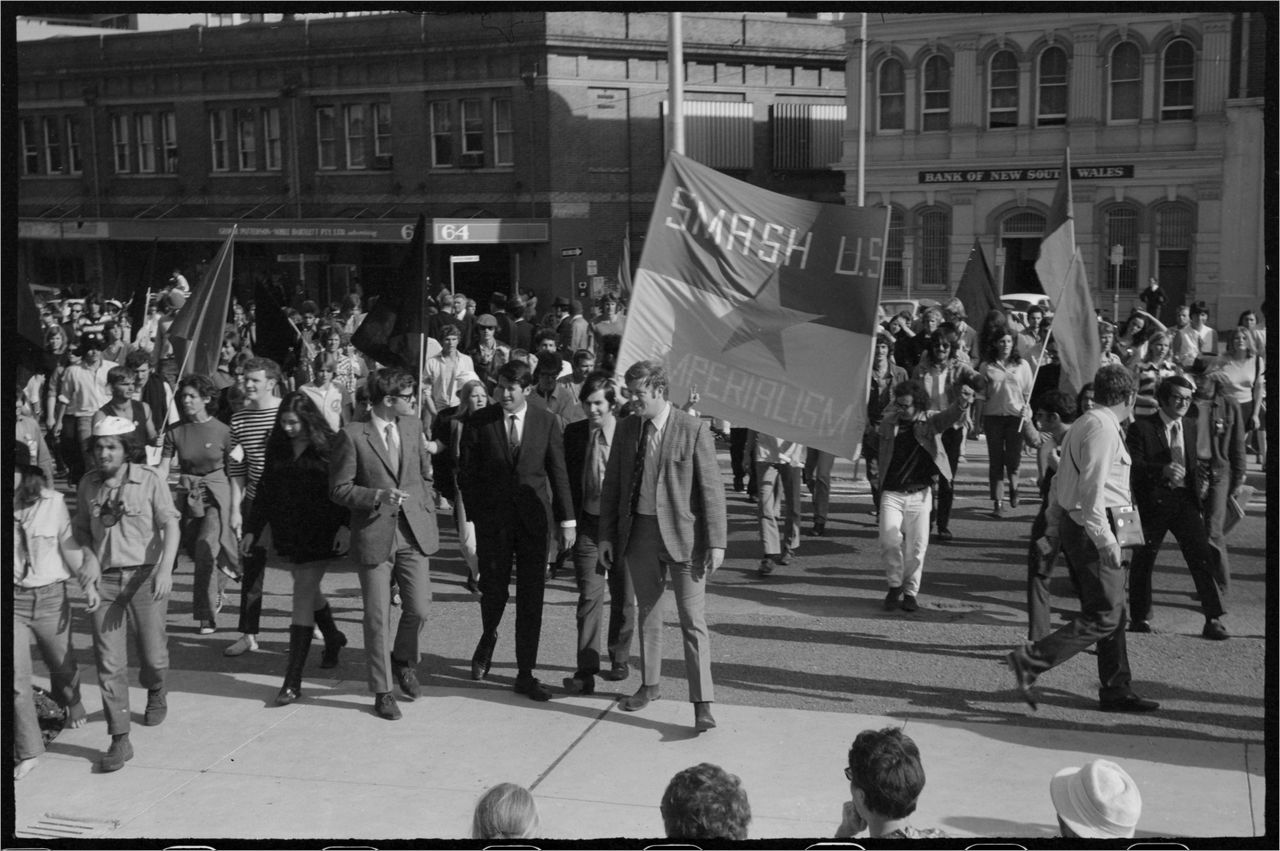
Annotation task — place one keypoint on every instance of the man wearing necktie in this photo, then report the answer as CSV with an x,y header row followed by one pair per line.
x,y
587,444
381,470
662,515
1165,484
511,472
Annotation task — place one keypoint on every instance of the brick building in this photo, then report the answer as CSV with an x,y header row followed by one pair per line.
x,y
968,116
520,136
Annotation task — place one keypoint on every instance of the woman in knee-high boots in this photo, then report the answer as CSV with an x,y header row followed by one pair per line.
x,y
308,529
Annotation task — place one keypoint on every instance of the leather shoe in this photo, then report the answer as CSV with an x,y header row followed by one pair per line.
x,y
618,672
1139,626
818,530
702,718
1214,630
1127,703
892,599
909,603
945,535
157,707
385,706
580,683
531,688
643,696
1023,677
407,679
120,752
481,659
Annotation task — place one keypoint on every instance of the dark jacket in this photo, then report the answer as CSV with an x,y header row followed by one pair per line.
x,y
293,498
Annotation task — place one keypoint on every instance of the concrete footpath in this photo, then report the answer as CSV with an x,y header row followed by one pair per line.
x,y
228,765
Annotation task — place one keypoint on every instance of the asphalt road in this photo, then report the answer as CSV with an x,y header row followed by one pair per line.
x,y
814,634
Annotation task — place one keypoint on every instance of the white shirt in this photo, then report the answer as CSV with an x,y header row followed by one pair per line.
x,y
1093,475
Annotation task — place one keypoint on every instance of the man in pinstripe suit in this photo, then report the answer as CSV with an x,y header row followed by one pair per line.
x,y
662,516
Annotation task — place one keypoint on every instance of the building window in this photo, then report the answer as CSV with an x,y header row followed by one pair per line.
x,y
1002,110
219,141
891,96
145,124
30,146
169,142
1121,229
1051,88
806,136
73,146
718,134
353,122
271,137
120,143
935,250
1175,226
441,133
326,139
246,141
1178,81
893,277
1125,81
503,134
472,127
936,114
382,130
52,146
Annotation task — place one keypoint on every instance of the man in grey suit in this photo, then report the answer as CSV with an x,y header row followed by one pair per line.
x,y
381,471
662,514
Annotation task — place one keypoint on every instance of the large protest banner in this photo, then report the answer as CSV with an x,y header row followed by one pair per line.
x,y
765,304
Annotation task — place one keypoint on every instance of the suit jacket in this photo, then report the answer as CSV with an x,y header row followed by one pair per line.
x,y
531,489
522,334
1148,444
927,430
576,436
1227,440
690,494
359,466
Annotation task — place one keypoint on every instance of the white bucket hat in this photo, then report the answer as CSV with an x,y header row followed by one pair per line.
x,y
1097,801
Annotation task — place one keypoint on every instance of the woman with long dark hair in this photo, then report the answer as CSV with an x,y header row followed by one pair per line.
x,y
447,432
204,447
45,556
1007,382
293,498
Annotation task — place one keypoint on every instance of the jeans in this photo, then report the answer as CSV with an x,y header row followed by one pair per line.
x,y
778,507
45,614
201,538
127,596
590,614
1004,446
904,537
817,474
952,439
255,571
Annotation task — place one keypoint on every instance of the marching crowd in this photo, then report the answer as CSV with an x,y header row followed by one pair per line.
x,y
520,427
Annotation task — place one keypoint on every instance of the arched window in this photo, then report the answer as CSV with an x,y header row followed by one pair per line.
x,y
891,96
937,94
1051,88
893,251
1024,224
1121,225
1178,81
935,249
1002,110
1125,79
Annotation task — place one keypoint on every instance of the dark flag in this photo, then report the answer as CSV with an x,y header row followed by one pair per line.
x,y
137,311
31,352
391,330
274,335
977,289
197,330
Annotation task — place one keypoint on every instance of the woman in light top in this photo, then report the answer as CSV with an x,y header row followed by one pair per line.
x,y
1244,379
1007,382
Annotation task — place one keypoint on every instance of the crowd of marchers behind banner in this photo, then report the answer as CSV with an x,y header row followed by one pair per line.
x,y
332,460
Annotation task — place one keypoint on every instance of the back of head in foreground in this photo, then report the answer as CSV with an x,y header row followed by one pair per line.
x,y
506,811
705,802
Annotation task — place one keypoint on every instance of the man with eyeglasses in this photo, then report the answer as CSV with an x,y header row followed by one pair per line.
x,y
1166,481
381,470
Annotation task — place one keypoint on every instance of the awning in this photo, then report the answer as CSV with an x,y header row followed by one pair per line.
x,y
443,231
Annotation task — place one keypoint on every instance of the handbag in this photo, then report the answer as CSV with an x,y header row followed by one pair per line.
x,y
1127,525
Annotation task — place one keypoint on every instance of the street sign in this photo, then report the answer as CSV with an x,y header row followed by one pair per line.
x,y
591,267
1117,255
465,258
570,252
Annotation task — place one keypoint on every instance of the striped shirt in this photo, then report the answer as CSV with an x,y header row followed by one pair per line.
x,y
250,429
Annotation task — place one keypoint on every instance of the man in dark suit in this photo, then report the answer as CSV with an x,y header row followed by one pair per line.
x,y
662,513
381,471
1221,460
512,476
1164,480
522,330
587,444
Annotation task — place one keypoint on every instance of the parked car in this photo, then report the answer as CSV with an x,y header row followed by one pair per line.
x,y
897,305
1016,304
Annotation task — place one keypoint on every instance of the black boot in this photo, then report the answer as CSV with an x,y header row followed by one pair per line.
x,y
299,646
334,640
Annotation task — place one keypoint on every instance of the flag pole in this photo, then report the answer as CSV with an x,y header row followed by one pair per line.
x,y
675,80
862,110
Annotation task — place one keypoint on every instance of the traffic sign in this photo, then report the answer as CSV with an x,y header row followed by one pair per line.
x,y
570,252
465,258
591,267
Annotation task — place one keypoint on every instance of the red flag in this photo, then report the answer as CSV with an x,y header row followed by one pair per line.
x,y
1059,245
765,304
977,288
390,332
196,332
